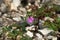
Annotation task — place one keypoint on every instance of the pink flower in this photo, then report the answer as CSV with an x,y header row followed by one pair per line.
x,y
30,20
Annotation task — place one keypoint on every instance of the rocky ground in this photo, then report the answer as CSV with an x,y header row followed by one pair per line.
x,y
9,17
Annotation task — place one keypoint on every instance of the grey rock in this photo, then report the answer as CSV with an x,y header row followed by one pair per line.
x,y
1,22
45,31
17,19
3,7
5,15
39,36
15,14
16,2
49,37
57,2
7,22
0,13
1,1
0,19
58,15
41,24
23,12
44,1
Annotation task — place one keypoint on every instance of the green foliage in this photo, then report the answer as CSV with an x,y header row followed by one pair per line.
x,y
48,12
23,25
56,7
57,22
26,38
40,11
53,25
14,32
6,28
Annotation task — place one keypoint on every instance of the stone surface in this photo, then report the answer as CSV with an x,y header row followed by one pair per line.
x,y
58,15
17,19
3,7
1,22
0,13
30,34
23,12
57,2
30,28
16,2
45,31
39,36
54,38
10,17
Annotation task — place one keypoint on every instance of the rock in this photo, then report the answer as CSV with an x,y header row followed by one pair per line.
x,y
1,1
51,19
8,38
17,19
1,19
13,14
18,37
41,22
9,15
32,1
7,2
30,34
55,38
10,21
1,22
7,21
50,37
30,28
57,2
39,37
45,31
5,15
40,5
16,2
6,33
29,10
48,18
23,11
37,3
44,1
14,28
1,38
36,38
1,26
3,7
16,14
0,13
29,4
13,7
58,15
